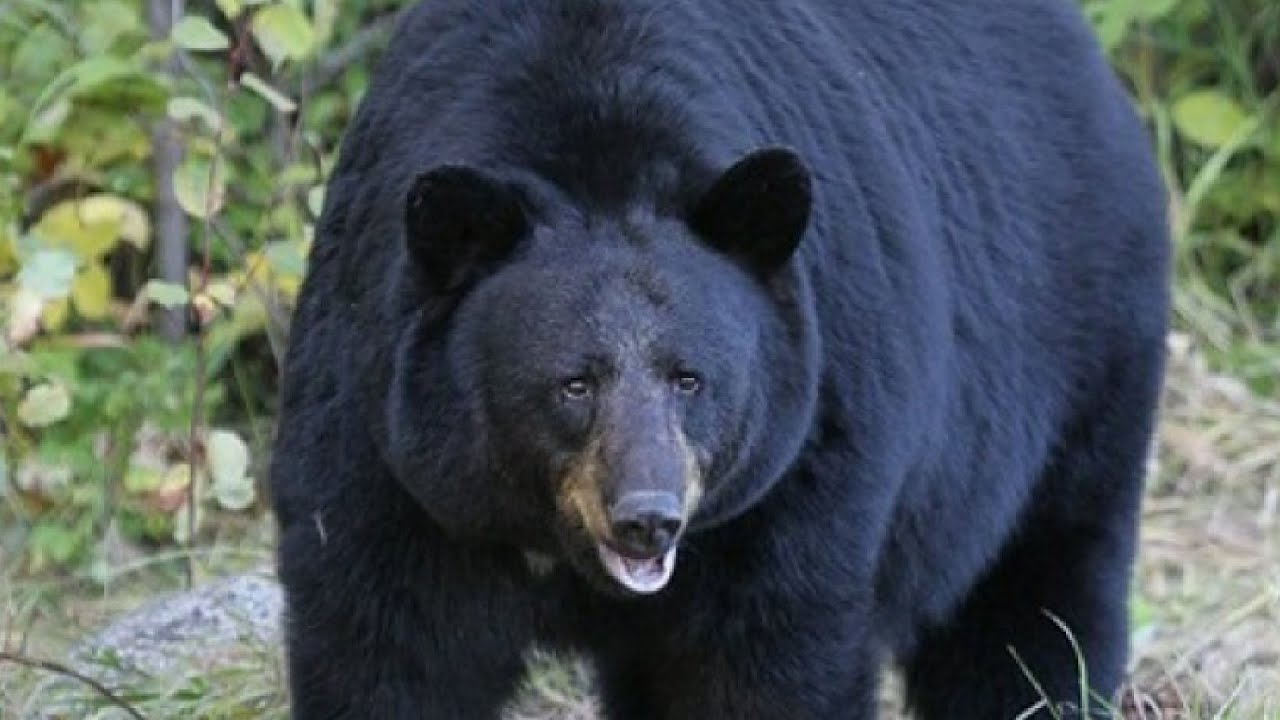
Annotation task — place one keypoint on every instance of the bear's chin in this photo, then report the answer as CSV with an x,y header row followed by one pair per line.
x,y
643,576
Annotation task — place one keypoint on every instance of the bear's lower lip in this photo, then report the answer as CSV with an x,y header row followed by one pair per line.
x,y
638,576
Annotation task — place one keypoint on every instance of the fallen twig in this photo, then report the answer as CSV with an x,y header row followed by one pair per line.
x,y
58,668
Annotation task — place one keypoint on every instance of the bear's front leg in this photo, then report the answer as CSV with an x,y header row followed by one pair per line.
x,y
795,664
400,628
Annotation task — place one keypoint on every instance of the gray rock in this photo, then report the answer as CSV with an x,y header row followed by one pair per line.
x,y
230,625
190,626
199,652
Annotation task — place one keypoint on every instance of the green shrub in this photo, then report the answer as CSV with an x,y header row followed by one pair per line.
x,y
1205,74
101,425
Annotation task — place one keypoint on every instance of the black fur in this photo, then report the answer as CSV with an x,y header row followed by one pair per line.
x,y
758,210
922,431
458,223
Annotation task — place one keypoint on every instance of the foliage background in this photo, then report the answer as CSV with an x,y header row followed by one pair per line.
x,y
158,187
102,432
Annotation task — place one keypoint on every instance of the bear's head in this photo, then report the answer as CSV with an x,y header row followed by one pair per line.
x,y
601,385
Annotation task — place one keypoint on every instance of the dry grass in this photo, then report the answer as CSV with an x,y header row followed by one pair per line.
x,y
1206,605
1207,641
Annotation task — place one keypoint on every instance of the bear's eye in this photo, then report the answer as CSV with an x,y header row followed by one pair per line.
x,y
577,388
686,383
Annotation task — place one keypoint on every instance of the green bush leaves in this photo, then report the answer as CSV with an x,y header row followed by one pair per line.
x,y
197,33
1210,118
97,411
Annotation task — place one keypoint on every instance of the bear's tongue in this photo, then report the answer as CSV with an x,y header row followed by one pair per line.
x,y
639,576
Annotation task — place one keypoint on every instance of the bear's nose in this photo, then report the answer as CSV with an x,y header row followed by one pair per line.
x,y
645,523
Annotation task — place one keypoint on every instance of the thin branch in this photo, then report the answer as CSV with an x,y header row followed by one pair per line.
x,y
356,49
198,339
196,322
46,194
169,220
66,671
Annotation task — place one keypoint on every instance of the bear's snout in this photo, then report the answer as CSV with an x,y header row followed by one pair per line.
x,y
644,523
634,492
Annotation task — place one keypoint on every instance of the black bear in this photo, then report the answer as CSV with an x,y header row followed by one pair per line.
x,y
740,347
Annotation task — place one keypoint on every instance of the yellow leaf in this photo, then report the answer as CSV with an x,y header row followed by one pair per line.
x,y
54,315
271,270
256,270
289,286
8,256
140,480
88,237
174,489
223,292
135,226
177,478
91,292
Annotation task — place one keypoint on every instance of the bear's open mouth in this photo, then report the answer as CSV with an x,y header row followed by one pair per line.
x,y
645,576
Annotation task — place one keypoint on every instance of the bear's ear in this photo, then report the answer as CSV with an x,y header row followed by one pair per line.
x,y
758,210
459,223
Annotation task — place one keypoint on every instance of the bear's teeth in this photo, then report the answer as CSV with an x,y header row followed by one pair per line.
x,y
640,576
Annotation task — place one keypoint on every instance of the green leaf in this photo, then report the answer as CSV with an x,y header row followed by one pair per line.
x,y
194,32
107,20
1209,118
230,8
44,405
166,294
286,257
284,32
315,200
25,308
236,496
200,186
186,109
14,362
51,541
43,126
326,19
92,74
1112,19
1152,9
39,55
48,274
277,99
228,457
1109,26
